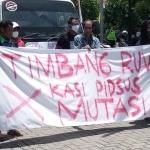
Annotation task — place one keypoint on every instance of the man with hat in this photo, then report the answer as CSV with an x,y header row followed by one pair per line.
x,y
6,32
18,41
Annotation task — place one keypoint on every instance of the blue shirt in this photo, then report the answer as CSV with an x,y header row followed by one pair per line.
x,y
81,41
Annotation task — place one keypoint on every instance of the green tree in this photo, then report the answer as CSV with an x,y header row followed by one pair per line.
x,y
142,9
118,11
90,8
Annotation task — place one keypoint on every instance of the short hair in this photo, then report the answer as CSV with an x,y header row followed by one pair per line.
x,y
71,19
87,21
5,23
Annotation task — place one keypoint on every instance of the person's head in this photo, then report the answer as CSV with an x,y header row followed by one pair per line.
x,y
16,29
125,33
148,29
114,26
6,29
88,27
73,24
145,29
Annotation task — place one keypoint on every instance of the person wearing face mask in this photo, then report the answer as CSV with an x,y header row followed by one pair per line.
x,y
15,36
66,40
136,38
145,33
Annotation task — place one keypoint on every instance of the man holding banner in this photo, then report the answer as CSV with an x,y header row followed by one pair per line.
x,y
86,40
6,30
66,40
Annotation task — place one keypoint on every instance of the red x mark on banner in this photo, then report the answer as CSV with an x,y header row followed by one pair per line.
x,y
25,102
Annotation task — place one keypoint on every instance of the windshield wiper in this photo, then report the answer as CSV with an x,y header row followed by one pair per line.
x,y
29,35
48,37
54,36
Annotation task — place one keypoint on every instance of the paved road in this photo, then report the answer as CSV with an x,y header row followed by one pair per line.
x,y
118,136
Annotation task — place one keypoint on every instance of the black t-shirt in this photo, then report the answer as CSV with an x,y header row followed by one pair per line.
x,y
66,40
135,40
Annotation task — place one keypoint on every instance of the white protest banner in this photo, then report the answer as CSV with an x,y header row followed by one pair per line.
x,y
40,88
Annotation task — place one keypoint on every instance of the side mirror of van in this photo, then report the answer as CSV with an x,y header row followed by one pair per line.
x,y
96,25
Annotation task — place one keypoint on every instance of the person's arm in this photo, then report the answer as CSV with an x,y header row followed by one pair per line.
x,y
59,42
21,44
138,43
77,43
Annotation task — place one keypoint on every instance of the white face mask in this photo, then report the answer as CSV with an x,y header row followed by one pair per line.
x,y
138,34
75,28
15,34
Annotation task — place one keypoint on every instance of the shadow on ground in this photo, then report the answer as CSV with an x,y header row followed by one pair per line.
x,y
72,135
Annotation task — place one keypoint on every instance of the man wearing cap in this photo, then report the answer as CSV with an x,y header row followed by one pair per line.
x,y
6,31
15,36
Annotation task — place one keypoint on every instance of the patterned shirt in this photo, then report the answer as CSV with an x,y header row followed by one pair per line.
x,y
81,41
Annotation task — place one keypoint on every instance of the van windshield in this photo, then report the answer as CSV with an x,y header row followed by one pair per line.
x,y
47,17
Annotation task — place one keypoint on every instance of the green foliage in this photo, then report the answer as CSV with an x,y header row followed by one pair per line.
x,y
117,10
90,8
